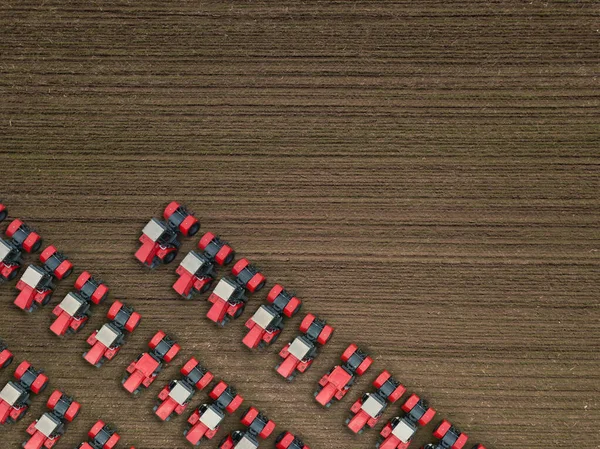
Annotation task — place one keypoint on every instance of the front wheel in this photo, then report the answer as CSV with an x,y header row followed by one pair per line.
x,y
21,414
46,299
193,230
12,275
238,313
170,257
274,339
81,326
206,286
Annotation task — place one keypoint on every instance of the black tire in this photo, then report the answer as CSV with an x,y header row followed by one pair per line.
x,y
206,287
260,286
43,387
82,325
238,313
170,257
275,338
7,362
229,258
224,322
296,310
193,230
3,215
36,247
22,414
47,299
12,275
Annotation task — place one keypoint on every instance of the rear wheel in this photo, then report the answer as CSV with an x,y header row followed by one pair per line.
x,y
260,285
306,322
348,352
36,246
193,230
158,337
72,411
171,353
229,258
239,266
133,322
381,379
114,310
7,362
325,335
53,399
189,366
39,384
362,368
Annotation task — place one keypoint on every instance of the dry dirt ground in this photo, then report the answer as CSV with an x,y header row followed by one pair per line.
x,y
423,174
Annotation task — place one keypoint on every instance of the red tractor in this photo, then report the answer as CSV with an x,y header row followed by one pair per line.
x,y
449,437
36,284
15,397
46,431
6,357
259,427
206,419
299,354
176,396
267,322
20,238
160,239
143,371
197,271
286,440
73,311
368,409
101,436
229,296
335,384
107,341
398,433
